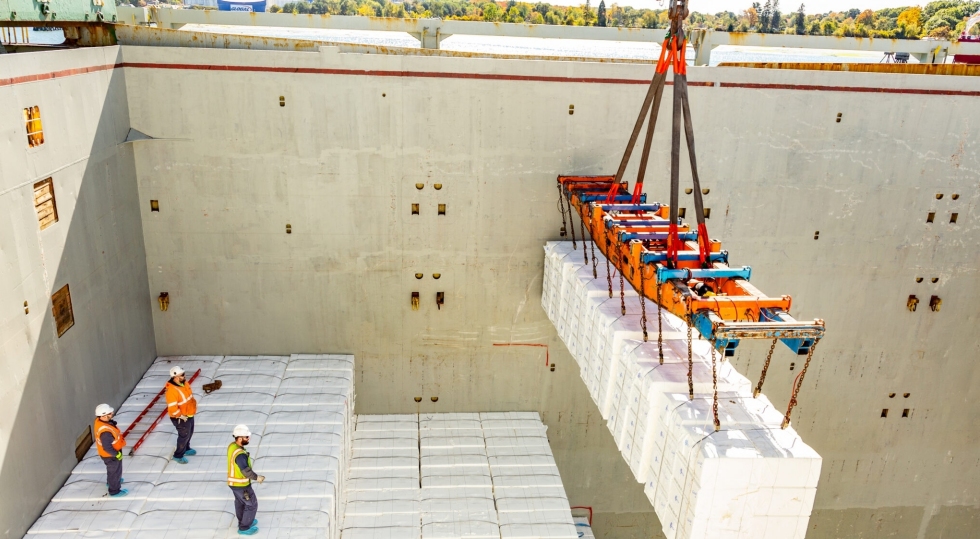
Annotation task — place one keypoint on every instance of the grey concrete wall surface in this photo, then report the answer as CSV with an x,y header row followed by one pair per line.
x,y
51,384
339,164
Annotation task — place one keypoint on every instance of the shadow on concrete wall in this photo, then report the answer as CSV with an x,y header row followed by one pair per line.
x,y
110,346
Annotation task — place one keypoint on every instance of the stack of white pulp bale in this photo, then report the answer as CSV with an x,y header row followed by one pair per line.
x,y
299,409
455,476
457,492
530,497
751,479
383,488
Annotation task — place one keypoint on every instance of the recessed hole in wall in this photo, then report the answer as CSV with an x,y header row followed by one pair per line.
x,y
939,196
418,399
154,205
419,186
935,279
164,300
440,299
906,395
956,196
931,217
384,95
418,275
436,275
83,443
884,412
442,209
905,412
839,115
792,366
707,213
44,203
952,218
415,209
891,395
26,310
681,212
437,186
912,303
935,303
282,101
688,191
61,310
289,229
32,120
552,367
705,191
816,235
434,399
918,279
415,301
571,110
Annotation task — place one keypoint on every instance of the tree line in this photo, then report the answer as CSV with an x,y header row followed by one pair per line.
x,y
937,19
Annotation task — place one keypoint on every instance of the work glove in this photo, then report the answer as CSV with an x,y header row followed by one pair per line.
x,y
182,418
119,455
260,479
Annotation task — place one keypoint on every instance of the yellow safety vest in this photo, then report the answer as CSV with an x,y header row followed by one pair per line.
x,y
235,476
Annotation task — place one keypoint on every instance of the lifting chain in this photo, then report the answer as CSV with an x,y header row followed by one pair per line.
x,y
765,367
622,294
571,220
660,324
714,386
690,360
595,274
608,271
643,306
585,252
561,206
798,384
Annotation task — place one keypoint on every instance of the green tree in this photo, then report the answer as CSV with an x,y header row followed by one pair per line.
x,y
765,16
776,19
491,12
601,19
800,21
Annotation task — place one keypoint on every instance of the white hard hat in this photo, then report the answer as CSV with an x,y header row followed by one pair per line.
x,y
176,371
241,431
102,410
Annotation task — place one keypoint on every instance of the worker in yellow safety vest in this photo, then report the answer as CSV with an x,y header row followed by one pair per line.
x,y
109,443
181,406
240,477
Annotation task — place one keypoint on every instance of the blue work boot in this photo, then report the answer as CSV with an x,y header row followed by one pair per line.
x,y
251,531
181,460
119,494
255,523
190,452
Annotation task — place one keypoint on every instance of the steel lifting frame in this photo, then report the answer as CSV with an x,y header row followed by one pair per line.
x,y
634,239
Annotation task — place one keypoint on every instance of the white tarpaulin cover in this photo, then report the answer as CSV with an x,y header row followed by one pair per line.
x,y
751,479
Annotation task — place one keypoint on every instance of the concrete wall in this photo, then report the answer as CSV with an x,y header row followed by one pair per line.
x,y
339,163
51,384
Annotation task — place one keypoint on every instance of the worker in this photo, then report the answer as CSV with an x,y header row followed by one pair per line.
x,y
703,289
109,442
181,405
240,477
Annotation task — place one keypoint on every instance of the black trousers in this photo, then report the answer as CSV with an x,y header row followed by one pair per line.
x,y
113,473
246,505
185,429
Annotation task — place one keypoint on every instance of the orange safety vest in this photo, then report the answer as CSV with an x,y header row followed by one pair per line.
x,y
180,400
118,442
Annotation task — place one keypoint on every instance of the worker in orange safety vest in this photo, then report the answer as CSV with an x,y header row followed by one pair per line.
x,y
109,443
181,406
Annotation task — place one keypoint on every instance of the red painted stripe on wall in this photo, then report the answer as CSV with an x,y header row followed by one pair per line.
x,y
473,76
10,81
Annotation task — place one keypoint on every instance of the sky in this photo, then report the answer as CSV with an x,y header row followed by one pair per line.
x,y
736,6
